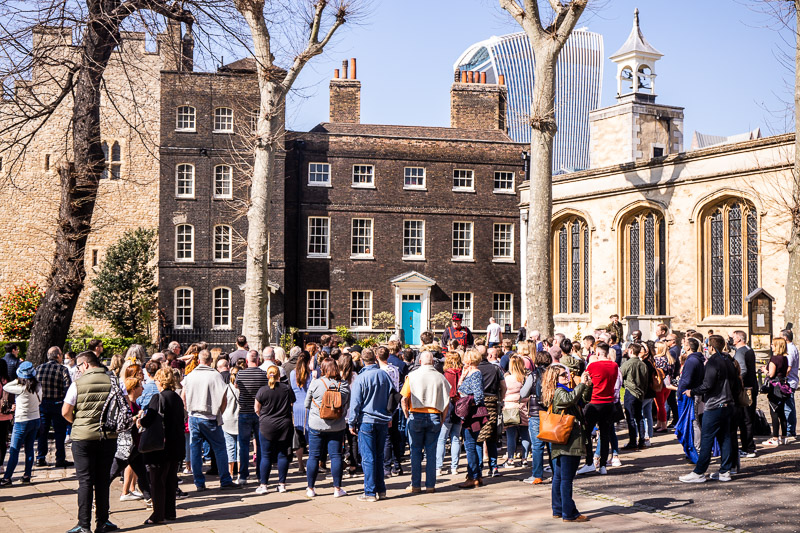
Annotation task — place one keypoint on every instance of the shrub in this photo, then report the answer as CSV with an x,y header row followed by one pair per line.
x,y
22,345
111,345
17,310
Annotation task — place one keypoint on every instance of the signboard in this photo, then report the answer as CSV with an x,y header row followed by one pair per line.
x,y
759,318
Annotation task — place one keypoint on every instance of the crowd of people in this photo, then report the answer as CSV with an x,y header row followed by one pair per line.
x,y
552,404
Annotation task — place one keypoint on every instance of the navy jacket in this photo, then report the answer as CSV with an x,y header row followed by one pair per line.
x,y
693,372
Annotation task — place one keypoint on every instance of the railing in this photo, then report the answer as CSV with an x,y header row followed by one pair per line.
x,y
222,338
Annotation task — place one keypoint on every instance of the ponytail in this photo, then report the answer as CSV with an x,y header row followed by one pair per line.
x,y
273,375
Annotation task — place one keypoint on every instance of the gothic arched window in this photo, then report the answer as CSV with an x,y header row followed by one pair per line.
x,y
730,242
571,265
644,263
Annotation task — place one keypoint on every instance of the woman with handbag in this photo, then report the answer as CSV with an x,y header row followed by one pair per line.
x,y
162,444
471,391
568,448
28,393
127,459
777,389
515,413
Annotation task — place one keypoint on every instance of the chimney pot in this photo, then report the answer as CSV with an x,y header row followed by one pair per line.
x,y
344,69
501,79
469,76
353,68
336,73
483,77
463,76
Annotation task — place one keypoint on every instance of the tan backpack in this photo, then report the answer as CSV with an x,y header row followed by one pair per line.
x,y
331,407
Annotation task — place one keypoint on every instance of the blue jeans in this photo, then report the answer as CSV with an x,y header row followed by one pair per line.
x,y
232,447
491,447
273,452
371,440
635,418
248,428
199,429
23,434
537,457
473,459
511,441
647,412
423,434
791,416
318,443
453,430
50,413
716,426
564,468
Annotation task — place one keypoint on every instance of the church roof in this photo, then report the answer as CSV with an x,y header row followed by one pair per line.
x,y
636,41
704,140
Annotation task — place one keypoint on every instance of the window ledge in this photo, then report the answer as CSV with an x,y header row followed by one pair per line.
x,y
186,198
354,186
723,321
503,260
571,317
414,188
186,131
462,259
316,328
414,258
184,260
462,189
183,327
317,256
221,328
362,258
312,184
222,198
222,131
505,191
222,261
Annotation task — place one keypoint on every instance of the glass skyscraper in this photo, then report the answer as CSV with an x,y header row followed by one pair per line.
x,y
579,78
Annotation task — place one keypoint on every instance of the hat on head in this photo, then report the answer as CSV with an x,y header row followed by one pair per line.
x,y
355,348
458,316
26,370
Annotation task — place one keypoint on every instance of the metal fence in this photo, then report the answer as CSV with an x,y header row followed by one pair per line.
x,y
225,339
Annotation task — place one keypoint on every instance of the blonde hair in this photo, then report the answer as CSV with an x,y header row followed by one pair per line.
x,y
274,376
549,384
452,360
234,371
517,368
472,358
523,348
661,349
166,378
779,346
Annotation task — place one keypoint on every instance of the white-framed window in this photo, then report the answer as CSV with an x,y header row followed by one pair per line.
x,y
184,243
503,242
413,239
364,176
317,309
462,241
504,182
414,178
502,308
223,237
222,308
184,180
184,308
463,180
186,118
319,174
462,303
319,237
223,120
223,181
361,238
361,309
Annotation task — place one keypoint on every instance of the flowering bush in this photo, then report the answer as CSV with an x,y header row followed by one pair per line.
x,y
17,310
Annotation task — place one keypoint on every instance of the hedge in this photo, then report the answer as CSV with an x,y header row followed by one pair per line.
x,y
111,345
23,347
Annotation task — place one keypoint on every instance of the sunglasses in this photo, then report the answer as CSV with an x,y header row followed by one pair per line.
x,y
563,375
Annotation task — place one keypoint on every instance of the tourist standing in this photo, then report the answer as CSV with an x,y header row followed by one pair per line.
x,y
515,413
6,413
532,390
249,381
635,376
793,360
54,379
230,424
274,403
12,359
451,425
300,379
746,358
472,385
494,388
600,409
28,393
493,333
241,350
777,391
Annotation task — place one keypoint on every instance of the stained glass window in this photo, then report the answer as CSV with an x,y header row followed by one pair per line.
x,y
571,265
645,278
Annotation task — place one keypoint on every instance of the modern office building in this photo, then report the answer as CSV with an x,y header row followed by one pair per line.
x,y
579,78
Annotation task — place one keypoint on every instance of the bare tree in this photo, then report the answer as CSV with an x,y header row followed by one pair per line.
x,y
547,38
320,22
80,79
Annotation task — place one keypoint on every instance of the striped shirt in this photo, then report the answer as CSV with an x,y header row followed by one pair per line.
x,y
249,380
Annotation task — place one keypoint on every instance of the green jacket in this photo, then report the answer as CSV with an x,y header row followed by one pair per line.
x,y
93,389
635,377
567,402
576,366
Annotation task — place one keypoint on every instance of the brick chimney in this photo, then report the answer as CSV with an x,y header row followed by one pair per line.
x,y
477,105
346,95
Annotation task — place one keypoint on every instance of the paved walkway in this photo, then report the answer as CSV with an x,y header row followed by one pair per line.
x,y
642,495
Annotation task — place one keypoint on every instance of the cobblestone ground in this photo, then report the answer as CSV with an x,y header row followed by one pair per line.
x,y
643,494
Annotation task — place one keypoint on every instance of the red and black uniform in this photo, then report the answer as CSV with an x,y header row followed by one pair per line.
x,y
463,336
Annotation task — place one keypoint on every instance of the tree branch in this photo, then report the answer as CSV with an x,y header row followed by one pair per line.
x,y
568,19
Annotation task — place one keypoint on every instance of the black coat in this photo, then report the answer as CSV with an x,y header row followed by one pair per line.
x,y
174,427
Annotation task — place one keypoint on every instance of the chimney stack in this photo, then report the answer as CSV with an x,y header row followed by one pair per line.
x,y
477,105
345,95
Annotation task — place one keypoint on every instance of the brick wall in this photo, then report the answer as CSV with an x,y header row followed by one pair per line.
x,y
345,101
478,106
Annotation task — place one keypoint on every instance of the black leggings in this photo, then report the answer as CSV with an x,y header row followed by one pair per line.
x,y
5,429
136,462
778,413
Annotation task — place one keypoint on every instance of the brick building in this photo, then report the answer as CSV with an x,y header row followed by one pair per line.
x,y
368,218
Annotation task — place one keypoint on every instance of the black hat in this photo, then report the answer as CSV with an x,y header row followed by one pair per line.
x,y
458,316
355,348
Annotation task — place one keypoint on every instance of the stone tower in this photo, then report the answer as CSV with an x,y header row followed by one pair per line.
x,y
635,128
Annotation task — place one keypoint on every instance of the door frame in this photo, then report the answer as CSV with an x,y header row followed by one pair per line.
x,y
413,283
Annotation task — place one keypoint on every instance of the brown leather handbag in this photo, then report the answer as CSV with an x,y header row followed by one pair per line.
x,y
555,428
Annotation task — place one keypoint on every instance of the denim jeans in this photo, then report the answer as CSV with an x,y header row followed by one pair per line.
x,y
318,443
248,428
791,416
564,469
273,452
600,414
491,448
716,426
423,434
647,413
511,441
50,412
23,434
232,447
371,440
471,447
537,457
395,445
635,417
453,431
199,429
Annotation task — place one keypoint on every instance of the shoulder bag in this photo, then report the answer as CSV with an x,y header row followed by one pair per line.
x,y
153,437
555,428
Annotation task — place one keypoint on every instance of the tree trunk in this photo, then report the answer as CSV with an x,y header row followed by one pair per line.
x,y
539,291
792,310
79,185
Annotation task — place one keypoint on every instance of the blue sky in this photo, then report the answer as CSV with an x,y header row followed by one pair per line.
x,y
721,60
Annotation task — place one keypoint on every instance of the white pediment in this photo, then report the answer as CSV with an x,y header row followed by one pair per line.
x,y
413,278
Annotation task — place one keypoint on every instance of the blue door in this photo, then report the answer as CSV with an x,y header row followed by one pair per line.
x,y
411,321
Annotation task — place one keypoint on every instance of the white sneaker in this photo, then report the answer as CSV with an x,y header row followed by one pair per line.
x,y
691,477
615,460
602,471
310,493
130,497
774,441
751,455
721,476
187,471
647,443
586,469
596,462
338,493
281,487
137,493
241,482
548,468
262,489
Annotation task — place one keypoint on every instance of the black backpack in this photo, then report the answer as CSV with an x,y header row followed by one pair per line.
x,y
116,416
